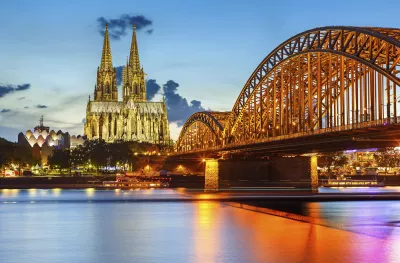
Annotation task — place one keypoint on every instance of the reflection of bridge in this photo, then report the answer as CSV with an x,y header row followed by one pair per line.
x,y
324,89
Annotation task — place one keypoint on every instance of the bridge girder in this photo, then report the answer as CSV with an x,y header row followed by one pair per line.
x,y
324,79
202,130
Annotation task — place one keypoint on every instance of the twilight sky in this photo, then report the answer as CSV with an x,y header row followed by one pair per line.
x,y
198,53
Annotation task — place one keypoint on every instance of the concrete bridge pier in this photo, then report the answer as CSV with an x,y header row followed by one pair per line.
x,y
211,175
314,173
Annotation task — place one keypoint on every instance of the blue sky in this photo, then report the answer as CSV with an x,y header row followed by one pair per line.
x,y
209,48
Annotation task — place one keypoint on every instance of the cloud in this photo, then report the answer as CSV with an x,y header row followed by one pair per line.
x,y
150,31
21,98
5,110
179,110
8,89
23,87
26,107
119,74
83,120
152,89
117,27
40,106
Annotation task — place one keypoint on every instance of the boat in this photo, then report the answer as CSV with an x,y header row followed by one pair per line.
x,y
352,183
129,182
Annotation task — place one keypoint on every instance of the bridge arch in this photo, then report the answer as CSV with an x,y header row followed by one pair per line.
x,y
202,130
324,78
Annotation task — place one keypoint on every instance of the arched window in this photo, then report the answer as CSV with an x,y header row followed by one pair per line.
x,y
101,121
115,127
109,125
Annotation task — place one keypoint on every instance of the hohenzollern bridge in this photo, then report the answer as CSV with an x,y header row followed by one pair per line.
x,y
329,88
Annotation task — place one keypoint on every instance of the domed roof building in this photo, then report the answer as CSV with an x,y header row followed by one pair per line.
x,y
42,139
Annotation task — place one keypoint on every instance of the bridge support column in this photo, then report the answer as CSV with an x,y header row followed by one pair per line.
x,y
211,175
314,172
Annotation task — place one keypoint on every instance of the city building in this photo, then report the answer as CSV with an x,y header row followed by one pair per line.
x,y
132,119
43,140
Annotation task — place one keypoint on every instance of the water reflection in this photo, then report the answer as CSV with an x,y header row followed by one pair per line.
x,y
206,232
90,192
201,231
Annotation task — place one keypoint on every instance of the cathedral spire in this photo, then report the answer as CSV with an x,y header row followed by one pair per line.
x,y
134,54
106,59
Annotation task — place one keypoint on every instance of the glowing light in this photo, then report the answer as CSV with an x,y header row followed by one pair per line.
x,y
203,160
90,192
56,191
32,192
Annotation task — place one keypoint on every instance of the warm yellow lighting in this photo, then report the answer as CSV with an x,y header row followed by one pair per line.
x,y
136,153
203,160
211,175
56,191
90,192
32,192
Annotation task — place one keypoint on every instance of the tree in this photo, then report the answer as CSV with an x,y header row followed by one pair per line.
x,y
388,157
337,159
98,153
60,158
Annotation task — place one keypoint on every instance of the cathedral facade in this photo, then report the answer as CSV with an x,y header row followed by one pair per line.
x,y
132,119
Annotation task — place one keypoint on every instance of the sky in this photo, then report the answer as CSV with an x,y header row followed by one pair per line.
x,y
199,54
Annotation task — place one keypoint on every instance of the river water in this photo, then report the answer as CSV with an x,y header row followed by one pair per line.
x,y
89,225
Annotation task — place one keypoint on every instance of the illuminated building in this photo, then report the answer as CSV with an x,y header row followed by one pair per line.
x,y
132,119
42,140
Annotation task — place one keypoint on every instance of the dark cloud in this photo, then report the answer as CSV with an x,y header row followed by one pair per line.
x,y
23,87
119,74
5,110
117,27
179,110
40,106
21,98
150,31
8,89
26,107
152,89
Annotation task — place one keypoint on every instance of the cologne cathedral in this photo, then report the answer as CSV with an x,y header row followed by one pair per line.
x,y
132,119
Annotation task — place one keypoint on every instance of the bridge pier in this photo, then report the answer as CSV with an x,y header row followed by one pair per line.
x,y
314,173
211,175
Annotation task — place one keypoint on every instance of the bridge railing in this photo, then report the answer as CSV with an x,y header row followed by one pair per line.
x,y
253,141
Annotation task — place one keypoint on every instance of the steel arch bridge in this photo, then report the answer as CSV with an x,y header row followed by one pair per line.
x,y
322,80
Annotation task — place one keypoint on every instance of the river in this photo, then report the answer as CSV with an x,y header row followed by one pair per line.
x,y
90,225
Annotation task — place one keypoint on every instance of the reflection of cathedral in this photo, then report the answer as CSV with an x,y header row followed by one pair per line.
x,y
133,118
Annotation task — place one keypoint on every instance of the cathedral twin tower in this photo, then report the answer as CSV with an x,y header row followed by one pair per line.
x,y
132,119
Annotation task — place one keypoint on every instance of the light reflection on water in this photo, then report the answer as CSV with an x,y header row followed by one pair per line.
x,y
203,231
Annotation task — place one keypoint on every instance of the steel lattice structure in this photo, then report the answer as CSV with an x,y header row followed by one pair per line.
x,y
324,79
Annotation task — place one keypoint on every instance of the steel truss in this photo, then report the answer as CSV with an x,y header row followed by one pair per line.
x,y
320,80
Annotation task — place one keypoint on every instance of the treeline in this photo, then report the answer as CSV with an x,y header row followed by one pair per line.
x,y
100,154
19,155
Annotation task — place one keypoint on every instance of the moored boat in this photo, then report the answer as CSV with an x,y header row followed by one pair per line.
x,y
135,182
352,183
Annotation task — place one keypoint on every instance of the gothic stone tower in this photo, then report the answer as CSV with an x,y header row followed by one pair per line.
x,y
106,87
133,118
133,82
